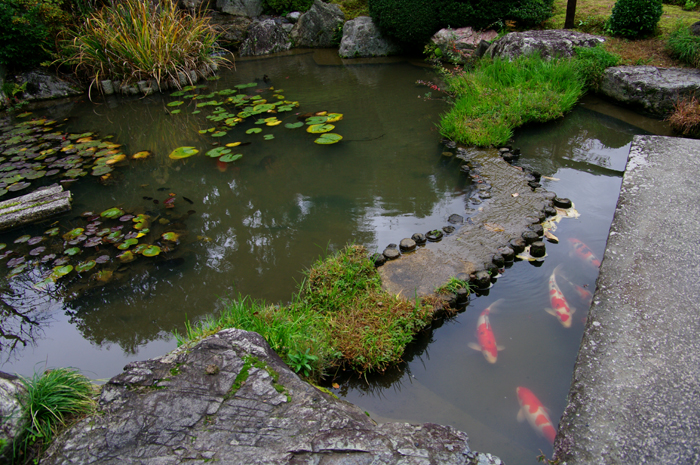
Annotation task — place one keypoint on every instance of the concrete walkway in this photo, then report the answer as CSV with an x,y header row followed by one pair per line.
x,y
635,392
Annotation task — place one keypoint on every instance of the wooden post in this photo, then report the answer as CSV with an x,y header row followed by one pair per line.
x,y
570,14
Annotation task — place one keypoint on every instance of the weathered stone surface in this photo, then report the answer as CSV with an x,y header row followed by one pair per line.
x,y
249,8
407,244
362,38
43,86
317,27
455,44
40,204
648,88
695,28
183,408
232,29
264,37
194,5
10,408
548,43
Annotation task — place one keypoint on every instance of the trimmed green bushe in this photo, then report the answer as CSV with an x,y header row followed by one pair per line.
x,y
634,18
134,40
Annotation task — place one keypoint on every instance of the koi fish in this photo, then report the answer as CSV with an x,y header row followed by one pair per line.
x,y
484,334
532,410
560,307
221,166
584,252
584,293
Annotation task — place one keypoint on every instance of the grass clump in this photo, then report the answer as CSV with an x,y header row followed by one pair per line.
x,y
135,40
51,400
453,285
500,95
591,63
685,119
340,318
683,45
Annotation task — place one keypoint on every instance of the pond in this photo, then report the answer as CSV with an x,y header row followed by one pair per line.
x,y
252,225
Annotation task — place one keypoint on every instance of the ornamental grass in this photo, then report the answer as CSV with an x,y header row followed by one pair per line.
x,y
133,40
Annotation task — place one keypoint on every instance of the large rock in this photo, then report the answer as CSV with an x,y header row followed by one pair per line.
x,y
455,44
43,86
194,5
319,26
362,38
10,409
249,8
549,43
266,36
198,405
648,88
232,29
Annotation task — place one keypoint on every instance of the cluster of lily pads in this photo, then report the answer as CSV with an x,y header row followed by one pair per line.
x,y
94,247
34,152
233,107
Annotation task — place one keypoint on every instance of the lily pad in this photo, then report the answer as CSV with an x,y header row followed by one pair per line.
x,y
176,103
22,239
72,251
183,152
17,270
102,259
170,236
294,125
217,152
18,186
85,266
72,234
37,251
320,128
328,138
141,155
112,213
230,157
151,251
127,243
126,257
233,144
268,136
253,131
316,119
104,276
35,240
15,262
333,117
61,271
175,112
219,134
101,170
140,248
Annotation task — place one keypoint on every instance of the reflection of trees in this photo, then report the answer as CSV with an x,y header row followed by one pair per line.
x,y
584,140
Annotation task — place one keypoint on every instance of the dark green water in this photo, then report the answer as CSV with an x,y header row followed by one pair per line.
x,y
261,220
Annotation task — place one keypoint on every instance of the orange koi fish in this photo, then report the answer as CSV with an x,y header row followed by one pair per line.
x,y
560,307
532,409
584,252
484,334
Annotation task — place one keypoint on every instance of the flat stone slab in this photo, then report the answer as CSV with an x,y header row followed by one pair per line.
x,y
497,220
635,392
196,405
648,88
548,43
40,204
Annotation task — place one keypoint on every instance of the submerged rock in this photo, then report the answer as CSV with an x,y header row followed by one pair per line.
x,y
317,27
362,38
549,43
230,399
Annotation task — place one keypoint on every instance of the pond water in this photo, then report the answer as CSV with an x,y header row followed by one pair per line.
x,y
252,225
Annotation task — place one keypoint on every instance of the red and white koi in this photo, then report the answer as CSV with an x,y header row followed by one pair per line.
x,y
560,307
584,253
484,334
532,410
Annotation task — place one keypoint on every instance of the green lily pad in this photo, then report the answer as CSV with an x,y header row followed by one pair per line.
x,y
126,257
268,136
328,138
52,231
85,266
61,271
170,236
140,248
219,134
2,246
253,131
99,170
72,251
182,152
112,213
245,86
176,103
230,157
316,119
17,270
127,243
333,117
294,125
22,239
217,152
320,128
175,112
72,234
178,93
44,283
151,251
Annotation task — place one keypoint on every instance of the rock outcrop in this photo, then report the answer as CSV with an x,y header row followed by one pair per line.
x,y
548,43
230,399
455,44
249,8
362,38
648,88
317,28
39,85
10,409
267,36
232,29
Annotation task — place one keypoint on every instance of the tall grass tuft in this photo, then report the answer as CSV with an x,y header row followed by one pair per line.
x,y
51,399
500,95
685,46
685,119
133,40
591,63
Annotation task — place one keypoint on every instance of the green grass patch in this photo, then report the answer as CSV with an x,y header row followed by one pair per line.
x,y
339,318
499,95
453,285
51,400
684,46
352,8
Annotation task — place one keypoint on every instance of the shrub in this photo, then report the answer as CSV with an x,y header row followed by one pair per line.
x,y
684,45
685,118
135,40
591,63
634,18
282,7
413,22
27,29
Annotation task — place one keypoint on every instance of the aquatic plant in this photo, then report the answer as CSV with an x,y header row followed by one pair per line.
x,y
51,400
134,40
